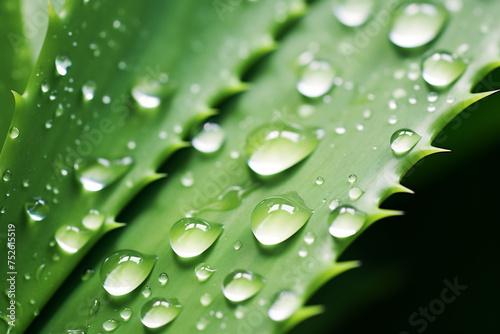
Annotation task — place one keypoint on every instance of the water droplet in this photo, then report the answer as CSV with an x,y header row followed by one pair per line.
x,y
355,193
145,99
284,305
272,149
93,220
87,274
417,25
44,87
228,199
163,278
125,313
71,239
346,221
190,237
96,174
37,209
277,218
209,139
206,299
441,69
27,276
352,178
393,119
237,245
7,175
353,13
146,291
187,179
320,180
62,64
202,324
203,272
316,78
240,285
123,271
88,90
3,209
94,308
309,238
306,110
432,96
158,312
14,132
110,325
402,141
302,252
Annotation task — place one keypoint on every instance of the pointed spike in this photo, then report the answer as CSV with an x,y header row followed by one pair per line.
x,y
52,13
302,314
18,98
402,189
333,270
383,213
110,224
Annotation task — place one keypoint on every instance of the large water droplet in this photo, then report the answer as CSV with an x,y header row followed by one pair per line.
x,y
190,237
402,141
209,139
316,79
353,13
240,285
272,149
62,64
417,25
277,218
93,220
37,209
14,132
284,305
7,175
442,69
346,221
97,174
71,239
203,272
158,312
124,271
145,99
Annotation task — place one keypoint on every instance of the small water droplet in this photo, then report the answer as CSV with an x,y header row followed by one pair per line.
x,y
209,139
393,119
27,276
237,245
110,325
202,323
87,274
320,180
352,178
441,69
158,312
13,132
240,285
63,63
305,110
71,239
37,209
284,304
277,218
309,238
417,24
346,221
432,96
94,308
163,278
145,99
273,149
44,87
302,252
146,291
203,272
192,236
123,271
353,13
187,179
402,141
88,90
355,193
206,299
316,79
93,220
7,175
94,175
125,313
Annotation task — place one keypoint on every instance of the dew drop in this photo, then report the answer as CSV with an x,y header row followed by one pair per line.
x,y
284,305
240,285
71,239
146,291
44,87
273,149
316,79
37,209
203,272
206,299
209,139
417,25
125,313
441,69
402,141
158,312
94,308
163,278
123,271
355,193
187,179
237,245
94,175
110,325
277,218
202,324
88,90
353,13
192,236
346,221
145,99
87,274
14,132
393,119
432,96
93,220
320,180
309,238
352,178
302,252
63,63
7,175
